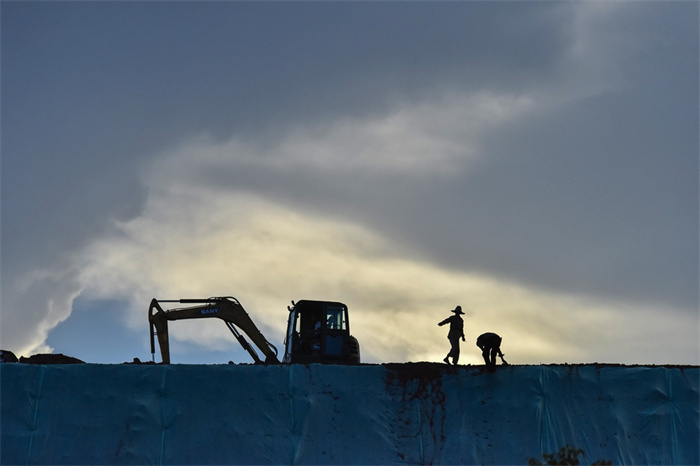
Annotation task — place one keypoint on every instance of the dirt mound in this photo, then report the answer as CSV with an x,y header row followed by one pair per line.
x,y
7,356
138,361
50,359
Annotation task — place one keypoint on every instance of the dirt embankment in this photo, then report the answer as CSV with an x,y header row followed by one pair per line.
x,y
9,356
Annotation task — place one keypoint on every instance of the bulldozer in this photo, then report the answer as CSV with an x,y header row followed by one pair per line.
x,y
317,331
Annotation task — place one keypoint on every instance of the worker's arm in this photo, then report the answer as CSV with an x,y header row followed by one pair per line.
x,y
446,321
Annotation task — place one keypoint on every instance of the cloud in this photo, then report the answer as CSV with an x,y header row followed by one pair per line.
x,y
512,182
189,195
199,239
214,223
436,137
266,255
38,301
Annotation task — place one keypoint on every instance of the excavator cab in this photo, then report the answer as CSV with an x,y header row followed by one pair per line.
x,y
319,332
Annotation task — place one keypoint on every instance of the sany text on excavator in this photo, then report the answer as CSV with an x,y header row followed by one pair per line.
x,y
317,331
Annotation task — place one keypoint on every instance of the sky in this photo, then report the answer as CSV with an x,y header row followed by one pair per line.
x,y
534,162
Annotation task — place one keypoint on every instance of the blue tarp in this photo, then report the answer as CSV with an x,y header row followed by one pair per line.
x,y
418,413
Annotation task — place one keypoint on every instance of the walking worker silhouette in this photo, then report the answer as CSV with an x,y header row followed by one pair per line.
x,y
490,345
456,332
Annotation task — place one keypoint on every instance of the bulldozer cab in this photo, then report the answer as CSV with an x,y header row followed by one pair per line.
x,y
319,332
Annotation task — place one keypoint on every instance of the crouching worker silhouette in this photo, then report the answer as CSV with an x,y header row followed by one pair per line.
x,y
456,332
490,345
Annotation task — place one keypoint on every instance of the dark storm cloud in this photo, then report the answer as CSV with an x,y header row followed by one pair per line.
x,y
92,89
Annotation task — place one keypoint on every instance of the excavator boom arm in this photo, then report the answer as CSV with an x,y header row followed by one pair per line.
x,y
227,309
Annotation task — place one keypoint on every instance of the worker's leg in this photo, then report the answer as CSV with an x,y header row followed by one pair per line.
x,y
485,354
452,350
455,350
492,360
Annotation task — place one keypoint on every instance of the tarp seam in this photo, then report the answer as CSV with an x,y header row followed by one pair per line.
x,y
36,412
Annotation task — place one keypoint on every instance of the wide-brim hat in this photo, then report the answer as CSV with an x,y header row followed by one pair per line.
x,y
458,310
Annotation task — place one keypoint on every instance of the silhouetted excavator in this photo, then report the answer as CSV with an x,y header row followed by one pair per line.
x,y
317,331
